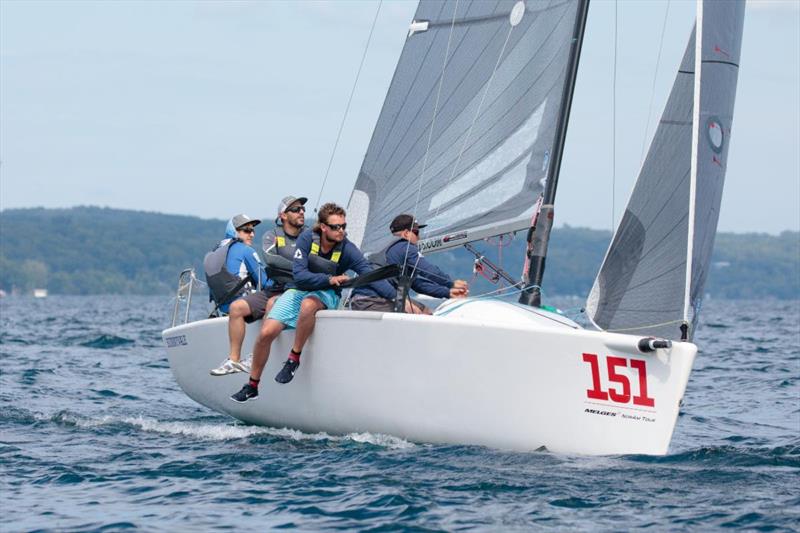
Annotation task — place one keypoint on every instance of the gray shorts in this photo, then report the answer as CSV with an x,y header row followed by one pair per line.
x,y
376,303
371,303
257,302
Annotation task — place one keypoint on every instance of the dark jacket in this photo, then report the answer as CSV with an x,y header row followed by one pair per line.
x,y
427,278
351,258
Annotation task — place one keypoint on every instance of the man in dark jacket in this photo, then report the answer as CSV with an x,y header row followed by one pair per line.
x,y
322,257
426,278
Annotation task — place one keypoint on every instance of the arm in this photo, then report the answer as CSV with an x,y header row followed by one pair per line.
x,y
356,262
428,278
255,268
304,279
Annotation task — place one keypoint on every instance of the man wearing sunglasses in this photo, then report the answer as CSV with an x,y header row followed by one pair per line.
x,y
322,257
278,246
234,271
426,278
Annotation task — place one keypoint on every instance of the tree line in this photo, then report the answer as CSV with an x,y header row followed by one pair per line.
x,y
93,250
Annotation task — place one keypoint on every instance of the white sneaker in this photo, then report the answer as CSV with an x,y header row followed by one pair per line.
x,y
244,366
227,367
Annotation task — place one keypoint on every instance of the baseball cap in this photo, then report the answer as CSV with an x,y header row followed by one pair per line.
x,y
403,222
289,200
240,220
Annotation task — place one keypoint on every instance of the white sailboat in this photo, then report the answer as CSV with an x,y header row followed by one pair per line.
x,y
470,140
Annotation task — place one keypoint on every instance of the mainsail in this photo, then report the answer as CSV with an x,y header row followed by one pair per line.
x,y
467,131
651,281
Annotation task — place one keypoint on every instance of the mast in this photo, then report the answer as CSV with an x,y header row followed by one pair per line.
x,y
539,232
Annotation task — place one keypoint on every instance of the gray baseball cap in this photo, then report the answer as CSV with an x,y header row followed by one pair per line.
x,y
241,220
289,200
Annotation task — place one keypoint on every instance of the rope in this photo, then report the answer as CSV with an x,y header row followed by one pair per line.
x,y
653,89
477,113
645,326
433,120
347,108
614,124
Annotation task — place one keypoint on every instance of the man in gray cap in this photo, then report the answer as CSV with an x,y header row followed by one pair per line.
x,y
236,279
279,244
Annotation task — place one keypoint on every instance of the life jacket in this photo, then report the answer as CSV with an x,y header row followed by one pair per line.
x,y
221,282
378,259
279,258
320,265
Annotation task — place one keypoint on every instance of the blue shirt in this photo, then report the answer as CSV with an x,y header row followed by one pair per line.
x,y
350,259
243,261
427,278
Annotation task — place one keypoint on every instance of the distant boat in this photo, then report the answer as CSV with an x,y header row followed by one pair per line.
x,y
40,293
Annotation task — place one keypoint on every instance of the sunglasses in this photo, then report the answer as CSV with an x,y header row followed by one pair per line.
x,y
415,231
247,230
337,227
296,209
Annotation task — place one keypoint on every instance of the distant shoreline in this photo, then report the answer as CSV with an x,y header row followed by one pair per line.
x,y
100,250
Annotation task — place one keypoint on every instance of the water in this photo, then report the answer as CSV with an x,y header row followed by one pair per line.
x,y
95,435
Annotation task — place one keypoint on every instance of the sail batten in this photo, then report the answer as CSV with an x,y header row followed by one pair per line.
x,y
491,132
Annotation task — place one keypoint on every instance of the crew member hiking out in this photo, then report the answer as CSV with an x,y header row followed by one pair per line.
x,y
278,248
322,257
426,278
234,272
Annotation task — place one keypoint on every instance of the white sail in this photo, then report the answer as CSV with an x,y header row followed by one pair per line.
x,y
652,278
467,130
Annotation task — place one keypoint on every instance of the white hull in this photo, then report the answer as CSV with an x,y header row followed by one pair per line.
x,y
518,380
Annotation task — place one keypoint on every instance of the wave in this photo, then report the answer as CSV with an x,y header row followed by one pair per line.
x,y
106,341
787,455
222,431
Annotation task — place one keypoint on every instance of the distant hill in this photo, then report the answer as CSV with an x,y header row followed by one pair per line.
x,y
92,250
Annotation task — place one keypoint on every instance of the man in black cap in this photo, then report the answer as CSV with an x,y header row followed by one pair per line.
x,y
426,278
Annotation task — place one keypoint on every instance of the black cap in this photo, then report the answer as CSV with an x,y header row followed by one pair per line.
x,y
404,222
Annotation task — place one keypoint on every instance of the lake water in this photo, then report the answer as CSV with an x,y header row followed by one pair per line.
x,y
95,435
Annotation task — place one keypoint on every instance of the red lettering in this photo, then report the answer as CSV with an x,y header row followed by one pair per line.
x,y
642,398
621,394
625,395
596,392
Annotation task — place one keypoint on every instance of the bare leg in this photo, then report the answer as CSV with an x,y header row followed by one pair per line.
x,y
270,303
236,327
270,330
306,321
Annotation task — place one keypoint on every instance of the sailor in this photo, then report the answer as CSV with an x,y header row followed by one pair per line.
x,y
322,257
426,278
278,248
279,244
234,272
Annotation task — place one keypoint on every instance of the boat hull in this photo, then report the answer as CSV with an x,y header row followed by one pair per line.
x,y
513,383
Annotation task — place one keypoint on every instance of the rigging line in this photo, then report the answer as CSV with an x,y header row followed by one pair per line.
x,y
347,108
433,120
614,122
477,113
653,89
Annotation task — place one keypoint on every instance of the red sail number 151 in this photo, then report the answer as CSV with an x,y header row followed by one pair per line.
x,y
622,394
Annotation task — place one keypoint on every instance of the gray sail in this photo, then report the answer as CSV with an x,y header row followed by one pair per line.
x,y
658,259
721,45
469,122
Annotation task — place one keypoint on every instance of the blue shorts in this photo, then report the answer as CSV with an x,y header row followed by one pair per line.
x,y
287,307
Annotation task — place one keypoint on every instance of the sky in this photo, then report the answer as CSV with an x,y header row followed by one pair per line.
x,y
215,108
